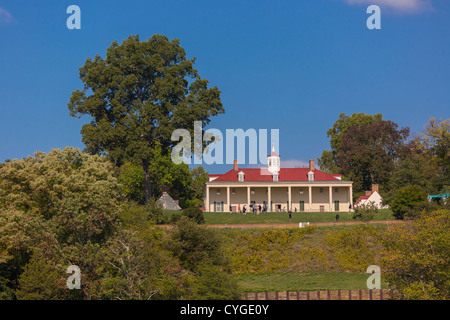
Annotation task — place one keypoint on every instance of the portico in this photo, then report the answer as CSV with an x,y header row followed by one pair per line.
x,y
281,189
321,196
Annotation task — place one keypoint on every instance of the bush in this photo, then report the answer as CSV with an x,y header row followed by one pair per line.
x,y
416,256
263,251
39,281
408,199
137,215
355,249
194,214
194,245
365,212
175,217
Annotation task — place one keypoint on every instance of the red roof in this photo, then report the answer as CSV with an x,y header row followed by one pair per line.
x,y
285,174
361,198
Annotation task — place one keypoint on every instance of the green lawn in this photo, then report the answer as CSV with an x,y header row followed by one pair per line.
x,y
283,217
317,280
289,278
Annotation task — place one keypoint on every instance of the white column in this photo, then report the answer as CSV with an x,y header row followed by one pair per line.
x,y
310,197
289,198
228,200
350,195
207,206
269,199
330,197
248,198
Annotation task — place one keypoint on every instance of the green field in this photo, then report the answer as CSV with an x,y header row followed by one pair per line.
x,y
317,280
282,217
300,272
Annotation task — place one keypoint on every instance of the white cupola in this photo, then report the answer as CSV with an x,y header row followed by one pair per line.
x,y
273,162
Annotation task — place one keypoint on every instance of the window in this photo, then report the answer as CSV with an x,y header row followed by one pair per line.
x,y
336,190
218,191
301,191
241,177
275,177
321,190
310,176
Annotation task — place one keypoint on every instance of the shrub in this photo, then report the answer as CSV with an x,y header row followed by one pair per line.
x,y
355,249
263,251
416,256
194,214
39,281
408,199
135,215
365,212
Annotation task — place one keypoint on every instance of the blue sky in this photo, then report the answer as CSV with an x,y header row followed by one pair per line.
x,y
287,65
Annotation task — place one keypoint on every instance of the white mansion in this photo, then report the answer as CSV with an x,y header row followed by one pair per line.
x,y
279,189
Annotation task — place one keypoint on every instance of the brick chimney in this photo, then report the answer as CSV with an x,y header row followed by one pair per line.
x,y
311,165
368,192
375,188
236,167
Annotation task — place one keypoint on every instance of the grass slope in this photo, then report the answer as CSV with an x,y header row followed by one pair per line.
x,y
282,217
316,280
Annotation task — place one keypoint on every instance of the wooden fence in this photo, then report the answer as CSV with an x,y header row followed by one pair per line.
x,y
374,294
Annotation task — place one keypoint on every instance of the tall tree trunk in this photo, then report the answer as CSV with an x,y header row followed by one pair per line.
x,y
148,185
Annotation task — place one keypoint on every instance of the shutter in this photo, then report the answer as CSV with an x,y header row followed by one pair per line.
x,y
302,205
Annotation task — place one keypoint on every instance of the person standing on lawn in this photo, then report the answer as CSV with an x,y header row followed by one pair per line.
x,y
337,217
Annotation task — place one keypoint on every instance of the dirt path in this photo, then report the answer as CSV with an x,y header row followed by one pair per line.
x,y
296,225
290,225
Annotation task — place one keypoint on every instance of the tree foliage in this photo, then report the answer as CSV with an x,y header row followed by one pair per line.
x,y
163,173
408,200
416,257
365,212
201,251
434,145
195,215
367,154
64,204
137,96
199,179
39,281
328,161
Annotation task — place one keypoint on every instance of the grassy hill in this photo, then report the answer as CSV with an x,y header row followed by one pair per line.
x,y
282,217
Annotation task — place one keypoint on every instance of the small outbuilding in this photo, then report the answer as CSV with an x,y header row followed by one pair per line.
x,y
167,202
371,196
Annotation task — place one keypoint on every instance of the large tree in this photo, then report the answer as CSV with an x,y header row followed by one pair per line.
x,y
328,161
434,145
137,96
367,154
63,204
